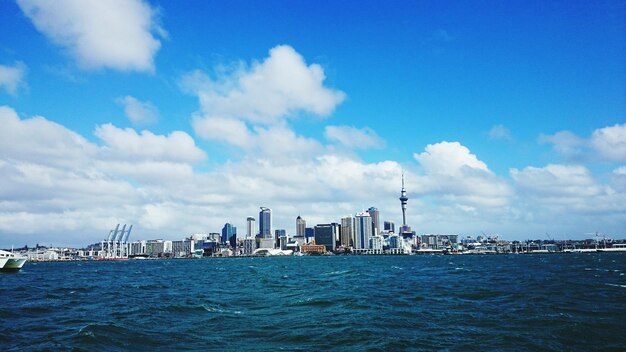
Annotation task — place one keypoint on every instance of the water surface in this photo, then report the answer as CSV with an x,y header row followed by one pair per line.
x,y
503,302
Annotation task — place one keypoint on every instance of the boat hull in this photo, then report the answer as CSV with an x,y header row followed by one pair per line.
x,y
14,264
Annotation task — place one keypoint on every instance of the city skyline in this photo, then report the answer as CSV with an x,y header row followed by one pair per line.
x,y
504,118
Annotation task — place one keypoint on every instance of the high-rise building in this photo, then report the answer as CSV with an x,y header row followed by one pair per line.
x,y
347,231
227,232
309,233
389,226
251,228
325,234
278,233
403,200
375,215
265,222
300,226
362,230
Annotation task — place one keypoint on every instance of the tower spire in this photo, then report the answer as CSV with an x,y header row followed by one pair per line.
x,y
403,200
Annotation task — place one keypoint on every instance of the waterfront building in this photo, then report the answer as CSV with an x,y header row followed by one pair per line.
x,y
228,231
138,248
167,248
347,231
375,215
251,227
300,226
249,245
362,230
389,226
265,222
325,235
267,243
312,248
155,248
376,244
278,233
183,249
309,234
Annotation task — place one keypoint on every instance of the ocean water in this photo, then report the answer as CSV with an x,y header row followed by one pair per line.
x,y
500,302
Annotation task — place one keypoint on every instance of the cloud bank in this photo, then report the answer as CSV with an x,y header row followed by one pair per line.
x,y
114,34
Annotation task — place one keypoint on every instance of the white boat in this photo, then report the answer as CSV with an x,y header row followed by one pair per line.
x,y
618,247
14,261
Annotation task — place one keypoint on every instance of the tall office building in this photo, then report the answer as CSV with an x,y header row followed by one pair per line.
x,y
347,231
362,230
265,222
300,226
278,233
389,226
251,227
375,215
227,232
325,234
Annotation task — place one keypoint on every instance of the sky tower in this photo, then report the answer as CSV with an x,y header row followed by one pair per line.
x,y
403,200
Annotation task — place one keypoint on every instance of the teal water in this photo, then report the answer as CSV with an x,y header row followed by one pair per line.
x,y
504,302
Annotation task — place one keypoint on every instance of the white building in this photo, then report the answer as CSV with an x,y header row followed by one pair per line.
x,y
249,245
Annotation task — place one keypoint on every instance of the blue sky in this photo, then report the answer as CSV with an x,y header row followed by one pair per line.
x,y
522,103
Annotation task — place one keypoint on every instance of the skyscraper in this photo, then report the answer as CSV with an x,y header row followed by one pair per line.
x,y
227,232
362,230
251,227
325,234
375,215
347,231
403,200
389,226
265,222
300,226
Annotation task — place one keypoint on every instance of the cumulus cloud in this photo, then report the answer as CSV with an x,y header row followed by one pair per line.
x,y
116,34
454,173
569,198
352,137
555,179
127,143
55,181
610,142
449,158
604,144
499,132
12,77
139,112
266,92
249,107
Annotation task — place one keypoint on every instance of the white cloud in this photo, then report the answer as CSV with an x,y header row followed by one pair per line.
x,y
557,180
352,137
127,143
267,92
620,171
228,130
139,112
39,140
116,34
58,186
610,142
12,77
500,132
456,175
449,158
604,144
